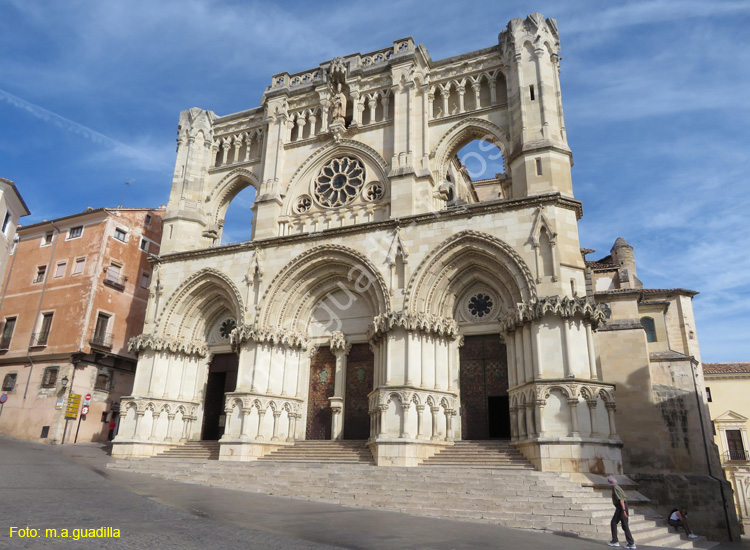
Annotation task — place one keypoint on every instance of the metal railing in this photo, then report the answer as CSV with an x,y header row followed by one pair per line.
x,y
117,282
101,340
738,455
39,338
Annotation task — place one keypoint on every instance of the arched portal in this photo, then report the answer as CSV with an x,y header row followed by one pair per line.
x,y
475,278
331,294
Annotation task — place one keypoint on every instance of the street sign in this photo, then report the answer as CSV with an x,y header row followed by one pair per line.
x,y
88,397
84,410
3,398
74,403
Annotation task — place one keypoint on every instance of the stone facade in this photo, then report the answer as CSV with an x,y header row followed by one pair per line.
x,y
12,207
368,232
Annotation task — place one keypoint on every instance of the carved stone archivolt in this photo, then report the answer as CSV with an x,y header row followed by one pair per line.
x,y
422,322
173,345
564,307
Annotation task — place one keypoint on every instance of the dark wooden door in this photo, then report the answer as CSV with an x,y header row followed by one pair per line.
x,y
222,378
322,376
484,388
734,443
359,373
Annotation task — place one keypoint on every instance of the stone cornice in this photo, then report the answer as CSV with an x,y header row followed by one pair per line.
x,y
422,322
161,343
268,335
465,211
564,307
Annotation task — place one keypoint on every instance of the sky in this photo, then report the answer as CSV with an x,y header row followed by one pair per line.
x,y
656,97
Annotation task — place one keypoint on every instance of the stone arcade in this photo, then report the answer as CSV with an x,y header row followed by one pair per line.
x,y
385,296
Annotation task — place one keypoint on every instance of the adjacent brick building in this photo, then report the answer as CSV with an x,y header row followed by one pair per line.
x,y
76,292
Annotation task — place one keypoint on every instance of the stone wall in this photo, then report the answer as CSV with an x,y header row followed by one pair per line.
x,y
708,509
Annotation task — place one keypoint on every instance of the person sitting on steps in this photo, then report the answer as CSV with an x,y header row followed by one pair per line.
x,y
678,518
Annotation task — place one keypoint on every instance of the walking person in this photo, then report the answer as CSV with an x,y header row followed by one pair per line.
x,y
621,514
678,518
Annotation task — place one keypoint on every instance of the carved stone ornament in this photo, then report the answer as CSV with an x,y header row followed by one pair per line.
x,y
374,191
339,182
302,204
160,343
423,322
273,336
555,305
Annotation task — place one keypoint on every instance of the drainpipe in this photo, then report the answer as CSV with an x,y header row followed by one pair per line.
x,y
694,363
39,307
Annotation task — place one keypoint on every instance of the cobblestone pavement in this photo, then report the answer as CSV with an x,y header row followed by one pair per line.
x,y
68,487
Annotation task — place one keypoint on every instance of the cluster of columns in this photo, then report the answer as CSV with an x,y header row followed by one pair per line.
x,y
461,88
527,420
378,421
221,147
340,349
187,423
246,411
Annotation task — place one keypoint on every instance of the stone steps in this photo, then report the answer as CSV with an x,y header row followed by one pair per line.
x,y
332,452
479,454
524,499
208,450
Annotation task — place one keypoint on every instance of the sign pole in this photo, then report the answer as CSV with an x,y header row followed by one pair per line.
x,y
78,428
1,408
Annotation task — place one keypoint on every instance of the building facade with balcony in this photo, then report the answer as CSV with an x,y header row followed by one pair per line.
x,y
75,293
727,387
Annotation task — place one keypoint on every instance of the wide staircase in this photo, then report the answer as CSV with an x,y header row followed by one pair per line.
x,y
459,483
201,450
327,452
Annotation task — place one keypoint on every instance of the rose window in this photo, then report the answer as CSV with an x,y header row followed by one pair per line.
x,y
480,305
227,327
339,182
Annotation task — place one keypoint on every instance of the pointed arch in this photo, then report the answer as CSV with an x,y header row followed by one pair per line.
x,y
461,260
201,298
292,295
464,132
218,199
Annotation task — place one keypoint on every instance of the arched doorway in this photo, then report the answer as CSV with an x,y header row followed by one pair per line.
x,y
222,379
485,412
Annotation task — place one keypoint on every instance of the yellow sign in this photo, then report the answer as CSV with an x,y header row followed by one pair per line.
x,y
74,403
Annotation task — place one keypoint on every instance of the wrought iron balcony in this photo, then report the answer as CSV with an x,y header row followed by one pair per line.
x,y
117,282
101,340
39,339
738,455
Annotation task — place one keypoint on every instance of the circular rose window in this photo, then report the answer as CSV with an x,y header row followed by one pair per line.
x,y
480,305
339,182
227,327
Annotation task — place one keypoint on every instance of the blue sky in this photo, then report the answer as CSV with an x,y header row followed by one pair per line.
x,y
656,98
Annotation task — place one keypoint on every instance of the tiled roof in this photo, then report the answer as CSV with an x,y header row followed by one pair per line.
x,y
686,291
726,368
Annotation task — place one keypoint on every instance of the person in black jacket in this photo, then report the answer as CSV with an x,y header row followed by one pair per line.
x,y
620,500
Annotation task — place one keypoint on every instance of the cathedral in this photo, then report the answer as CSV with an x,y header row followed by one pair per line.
x,y
389,297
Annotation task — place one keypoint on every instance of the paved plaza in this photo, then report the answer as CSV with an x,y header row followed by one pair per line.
x,y
69,487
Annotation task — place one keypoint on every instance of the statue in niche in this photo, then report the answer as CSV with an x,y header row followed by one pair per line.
x,y
338,111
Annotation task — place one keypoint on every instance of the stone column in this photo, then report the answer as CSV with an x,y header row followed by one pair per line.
x,y
591,403
312,120
519,362
476,87
372,105
259,435
337,428
237,147
170,419
611,414
224,151
290,430
569,367
592,353
513,424
227,422
527,354
185,425
536,350
404,419
383,409
445,91
573,405
138,417
521,416
248,145
245,422
540,417
154,418
357,109
300,126
511,351
539,52
461,94
276,415
420,412
493,91
530,419
434,411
